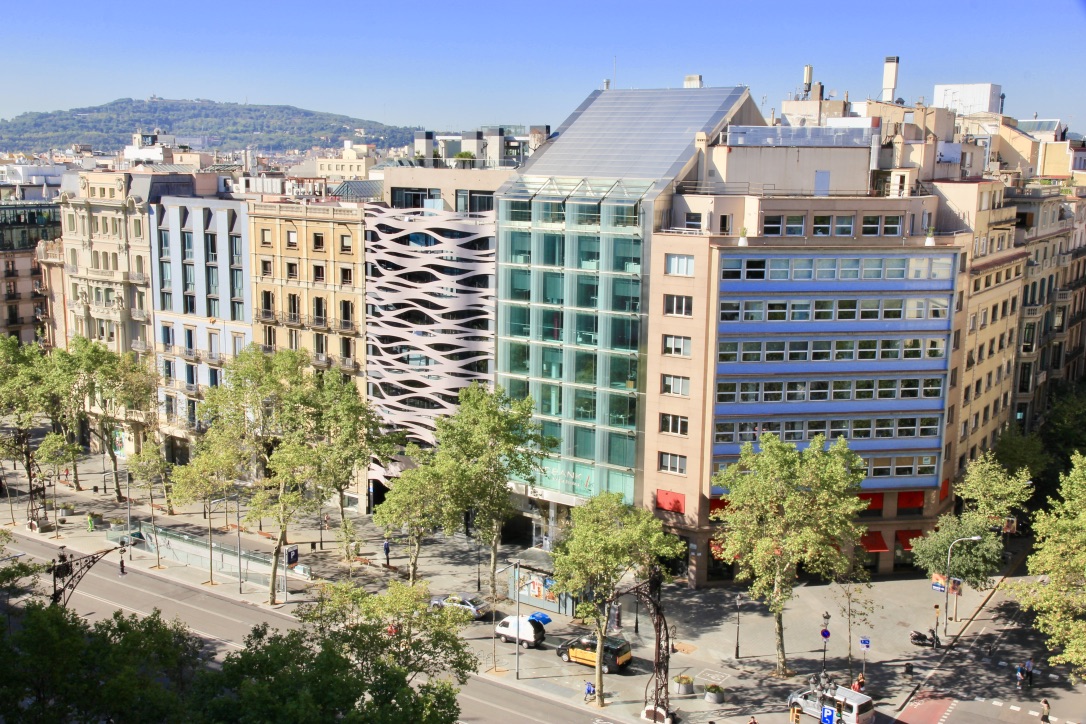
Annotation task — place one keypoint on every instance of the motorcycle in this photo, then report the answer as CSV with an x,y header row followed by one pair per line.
x,y
919,638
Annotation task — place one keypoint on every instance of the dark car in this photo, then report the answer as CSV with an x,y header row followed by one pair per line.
x,y
473,603
582,649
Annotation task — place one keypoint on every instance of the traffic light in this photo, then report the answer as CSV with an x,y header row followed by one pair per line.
x,y
794,715
840,709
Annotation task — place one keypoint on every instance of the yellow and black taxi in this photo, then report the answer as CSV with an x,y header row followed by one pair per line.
x,y
582,649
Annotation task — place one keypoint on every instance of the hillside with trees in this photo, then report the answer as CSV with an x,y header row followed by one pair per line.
x,y
230,126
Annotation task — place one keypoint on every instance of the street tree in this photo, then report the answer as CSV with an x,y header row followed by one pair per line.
x,y
417,503
1015,450
1057,593
22,404
213,471
787,508
490,440
55,453
988,489
349,436
606,541
18,575
266,402
65,388
852,592
148,468
975,562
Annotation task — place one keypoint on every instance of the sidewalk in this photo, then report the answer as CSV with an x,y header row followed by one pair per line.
x,y
703,621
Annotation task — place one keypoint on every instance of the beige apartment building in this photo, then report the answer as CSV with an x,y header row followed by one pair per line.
x,y
309,281
22,225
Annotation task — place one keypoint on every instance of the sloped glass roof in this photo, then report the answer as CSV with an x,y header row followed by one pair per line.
x,y
633,134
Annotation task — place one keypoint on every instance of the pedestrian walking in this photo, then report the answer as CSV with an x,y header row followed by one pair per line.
x,y
1029,672
1045,710
387,548
326,519
123,571
1019,676
752,720
65,476
90,523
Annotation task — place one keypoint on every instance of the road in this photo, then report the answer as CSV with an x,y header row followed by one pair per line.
x,y
224,623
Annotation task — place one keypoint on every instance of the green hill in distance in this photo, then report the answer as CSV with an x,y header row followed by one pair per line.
x,y
229,126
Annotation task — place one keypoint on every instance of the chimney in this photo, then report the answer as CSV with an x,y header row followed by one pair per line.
x,y
692,81
889,78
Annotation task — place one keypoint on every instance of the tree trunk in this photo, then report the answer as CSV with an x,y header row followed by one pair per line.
x,y
495,541
276,552
73,438
413,549
210,547
778,629
343,527
848,601
601,635
154,530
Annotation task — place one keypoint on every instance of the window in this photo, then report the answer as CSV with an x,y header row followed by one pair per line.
x,y
292,239
772,225
679,265
346,275
870,226
891,226
731,268
346,243
843,225
318,241
677,346
675,385
265,268
318,273
265,237
820,225
671,463
292,270
678,306
793,225
693,220
674,424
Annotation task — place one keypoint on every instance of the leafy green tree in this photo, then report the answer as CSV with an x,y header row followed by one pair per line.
x,y
349,436
605,541
490,440
18,576
991,491
787,508
149,467
852,593
975,562
1058,593
415,504
22,404
55,452
213,471
1016,451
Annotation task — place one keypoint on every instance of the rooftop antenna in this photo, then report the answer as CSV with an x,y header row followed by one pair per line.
x,y
808,77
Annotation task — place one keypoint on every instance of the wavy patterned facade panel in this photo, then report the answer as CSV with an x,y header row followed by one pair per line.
x,y
429,311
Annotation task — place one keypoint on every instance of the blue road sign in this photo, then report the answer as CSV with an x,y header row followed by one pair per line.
x,y
865,643
828,714
825,633
937,586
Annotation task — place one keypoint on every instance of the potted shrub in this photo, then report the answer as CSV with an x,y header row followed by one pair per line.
x,y
714,694
684,684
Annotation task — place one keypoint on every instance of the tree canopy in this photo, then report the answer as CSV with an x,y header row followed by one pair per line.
x,y
988,489
786,508
975,562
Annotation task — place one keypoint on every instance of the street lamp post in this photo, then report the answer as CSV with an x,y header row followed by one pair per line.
x,y
128,495
946,585
825,637
237,509
738,599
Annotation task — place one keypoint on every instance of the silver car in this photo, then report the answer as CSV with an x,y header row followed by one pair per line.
x,y
473,603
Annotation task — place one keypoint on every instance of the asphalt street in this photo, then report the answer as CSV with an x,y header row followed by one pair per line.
x,y
224,623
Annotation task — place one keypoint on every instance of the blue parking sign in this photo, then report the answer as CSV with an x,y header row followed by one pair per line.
x,y
828,714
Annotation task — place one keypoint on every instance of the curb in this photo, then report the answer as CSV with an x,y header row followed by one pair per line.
x,y
947,649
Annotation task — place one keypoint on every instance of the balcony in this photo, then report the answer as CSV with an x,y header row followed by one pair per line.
x,y
1063,295
346,325
137,277
192,389
216,358
138,345
35,271
42,313
267,348
318,322
347,363
1005,214
101,273
138,315
264,315
75,304
11,272
11,295
321,360
291,319
14,321
190,354
1033,310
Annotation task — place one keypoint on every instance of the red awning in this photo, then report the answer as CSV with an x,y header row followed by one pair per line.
x,y
873,542
668,500
874,500
910,499
904,536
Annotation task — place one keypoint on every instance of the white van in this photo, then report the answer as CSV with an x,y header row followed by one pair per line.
x,y
524,630
855,708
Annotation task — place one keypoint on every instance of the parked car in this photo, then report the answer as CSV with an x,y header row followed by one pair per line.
x,y
855,708
526,631
473,603
582,649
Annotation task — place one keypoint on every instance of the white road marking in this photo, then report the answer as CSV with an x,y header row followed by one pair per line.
x,y
1015,708
996,703
147,613
518,714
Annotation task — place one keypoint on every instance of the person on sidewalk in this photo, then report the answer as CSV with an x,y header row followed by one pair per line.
x,y
387,548
123,571
1045,710
1019,676
90,523
1029,672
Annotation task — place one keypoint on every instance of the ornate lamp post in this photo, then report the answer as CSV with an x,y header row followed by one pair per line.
x,y
825,638
738,600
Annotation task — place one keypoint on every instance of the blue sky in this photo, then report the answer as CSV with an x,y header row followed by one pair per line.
x,y
438,66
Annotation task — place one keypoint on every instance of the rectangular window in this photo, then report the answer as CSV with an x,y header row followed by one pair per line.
x,y
772,225
346,243
346,275
318,242
674,424
794,225
292,239
265,237
186,245
724,432
754,269
265,268
731,268
292,270
681,265
891,226
675,385
753,311
842,225
677,346
774,351
318,273
725,391
870,226
729,311
671,463
678,306
820,225
728,352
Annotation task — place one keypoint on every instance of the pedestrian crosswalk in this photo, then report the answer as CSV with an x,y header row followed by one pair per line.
x,y
1029,712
